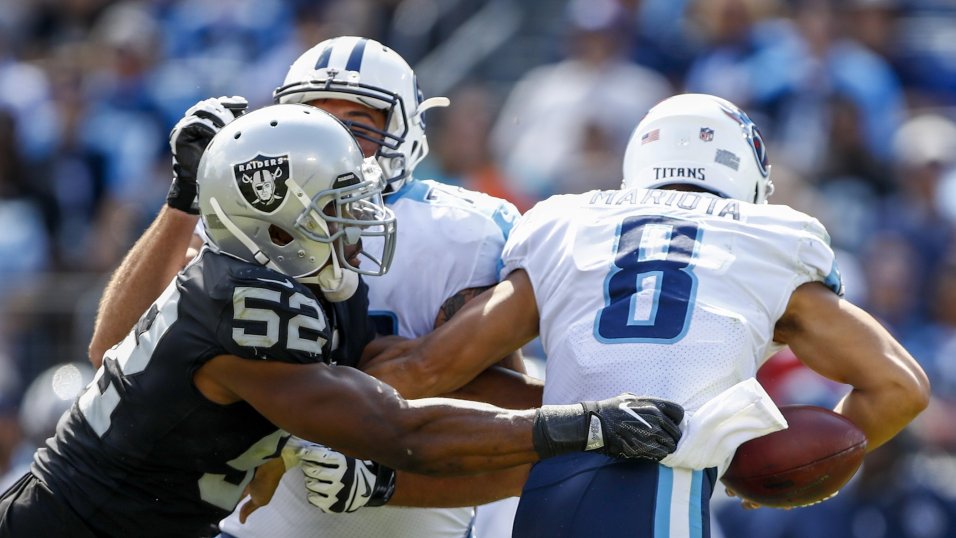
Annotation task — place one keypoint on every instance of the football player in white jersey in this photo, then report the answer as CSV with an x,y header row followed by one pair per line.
x,y
460,233
448,251
679,285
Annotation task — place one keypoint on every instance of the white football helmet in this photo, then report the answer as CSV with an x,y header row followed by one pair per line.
x,y
700,140
286,186
369,73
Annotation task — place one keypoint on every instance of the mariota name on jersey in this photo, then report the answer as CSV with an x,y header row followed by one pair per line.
x,y
712,205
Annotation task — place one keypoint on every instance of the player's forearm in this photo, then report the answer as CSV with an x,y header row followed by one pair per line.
x,y
504,388
426,371
891,393
515,362
145,271
882,409
487,328
355,414
417,490
436,436
843,343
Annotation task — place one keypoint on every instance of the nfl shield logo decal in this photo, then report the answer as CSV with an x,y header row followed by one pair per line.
x,y
706,134
261,181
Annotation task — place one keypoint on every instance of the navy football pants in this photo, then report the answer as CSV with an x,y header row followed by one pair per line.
x,y
584,495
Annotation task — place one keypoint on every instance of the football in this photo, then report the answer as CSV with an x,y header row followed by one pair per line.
x,y
806,463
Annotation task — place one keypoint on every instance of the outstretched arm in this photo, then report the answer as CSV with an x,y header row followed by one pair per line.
x,y
145,271
487,328
456,491
361,416
504,384
451,306
842,342
331,485
162,250
358,415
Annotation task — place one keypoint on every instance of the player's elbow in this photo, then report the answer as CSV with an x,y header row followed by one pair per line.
x,y
423,378
95,353
910,391
920,391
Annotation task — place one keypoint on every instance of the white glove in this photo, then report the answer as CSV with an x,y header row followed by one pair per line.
x,y
338,483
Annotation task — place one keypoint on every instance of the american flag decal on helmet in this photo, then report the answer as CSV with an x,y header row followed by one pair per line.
x,y
650,136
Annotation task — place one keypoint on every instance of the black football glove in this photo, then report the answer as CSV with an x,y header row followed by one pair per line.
x,y
188,141
625,426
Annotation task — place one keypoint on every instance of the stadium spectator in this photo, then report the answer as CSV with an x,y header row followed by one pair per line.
x,y
460,154
557,115
924,151
734,37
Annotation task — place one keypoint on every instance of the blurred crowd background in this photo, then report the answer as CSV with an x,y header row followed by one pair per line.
x,y
857,99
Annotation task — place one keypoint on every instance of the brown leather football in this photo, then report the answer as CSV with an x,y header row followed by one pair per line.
x,y
804,464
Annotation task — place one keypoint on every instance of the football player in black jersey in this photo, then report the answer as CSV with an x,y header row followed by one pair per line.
x,y
237,351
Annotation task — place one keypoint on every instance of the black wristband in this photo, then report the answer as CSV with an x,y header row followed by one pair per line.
x,y
384,486
182,196
559,429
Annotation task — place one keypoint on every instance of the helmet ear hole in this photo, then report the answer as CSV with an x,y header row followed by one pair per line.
x,y
279,236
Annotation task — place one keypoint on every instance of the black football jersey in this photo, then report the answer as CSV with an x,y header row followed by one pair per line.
x,y
143,452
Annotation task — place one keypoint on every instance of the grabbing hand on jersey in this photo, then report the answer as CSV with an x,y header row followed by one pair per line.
x,y
338,483
625,426
188,141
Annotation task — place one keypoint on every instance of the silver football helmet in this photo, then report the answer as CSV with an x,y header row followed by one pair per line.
x,y
286,186
700,140
371,74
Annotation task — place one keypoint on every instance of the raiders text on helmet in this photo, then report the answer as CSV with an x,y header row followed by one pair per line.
x,y
287,186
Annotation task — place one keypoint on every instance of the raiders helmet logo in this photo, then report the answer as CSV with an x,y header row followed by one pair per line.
x,y
261,181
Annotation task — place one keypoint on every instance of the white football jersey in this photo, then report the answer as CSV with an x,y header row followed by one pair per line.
x,y
449,239
659,292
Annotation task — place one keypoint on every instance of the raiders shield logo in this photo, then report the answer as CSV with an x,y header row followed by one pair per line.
x,y
262,181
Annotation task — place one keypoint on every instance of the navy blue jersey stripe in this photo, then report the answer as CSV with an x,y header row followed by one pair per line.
x,y
323,60
355,58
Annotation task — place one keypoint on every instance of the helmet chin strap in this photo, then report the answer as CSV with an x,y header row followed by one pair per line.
x,y
246,241
336,284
